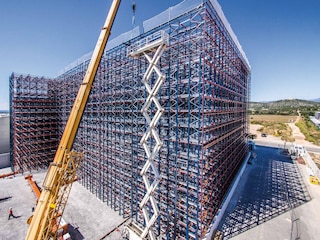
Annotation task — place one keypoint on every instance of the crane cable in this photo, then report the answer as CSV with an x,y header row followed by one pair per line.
x,y
133,14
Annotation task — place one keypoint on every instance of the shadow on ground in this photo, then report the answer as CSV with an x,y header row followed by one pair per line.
x,y
74,232
271,185
5,199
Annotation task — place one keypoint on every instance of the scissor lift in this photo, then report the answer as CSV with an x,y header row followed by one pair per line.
x,y
152,48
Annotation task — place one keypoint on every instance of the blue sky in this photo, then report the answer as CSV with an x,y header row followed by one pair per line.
x,y
281,39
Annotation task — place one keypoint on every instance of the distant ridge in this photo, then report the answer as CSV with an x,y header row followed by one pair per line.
x,y
316,100
292,103
4,111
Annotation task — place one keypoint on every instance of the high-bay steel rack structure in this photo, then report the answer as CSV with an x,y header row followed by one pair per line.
x,y
204,126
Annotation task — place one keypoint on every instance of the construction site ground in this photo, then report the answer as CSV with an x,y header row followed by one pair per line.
x,y
89,218
274,200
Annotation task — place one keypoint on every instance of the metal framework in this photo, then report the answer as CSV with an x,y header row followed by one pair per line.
x,y
33,122
157,43
203,127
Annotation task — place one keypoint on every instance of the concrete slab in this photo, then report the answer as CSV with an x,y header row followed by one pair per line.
x,y
90,218
15,192
274,201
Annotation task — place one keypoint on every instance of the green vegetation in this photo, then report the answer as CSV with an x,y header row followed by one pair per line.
x,y
274,125
309,130
255,119
273,116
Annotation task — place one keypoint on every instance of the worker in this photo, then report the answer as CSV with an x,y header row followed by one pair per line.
x,y
11,213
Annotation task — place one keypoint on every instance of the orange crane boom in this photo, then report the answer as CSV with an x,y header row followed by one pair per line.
x,y
8,174
62,170
33,186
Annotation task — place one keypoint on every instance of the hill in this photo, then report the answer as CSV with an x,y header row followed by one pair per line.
x,y
284,107
316,100
294,103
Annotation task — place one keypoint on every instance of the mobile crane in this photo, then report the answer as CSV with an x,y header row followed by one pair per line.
x,y
62,171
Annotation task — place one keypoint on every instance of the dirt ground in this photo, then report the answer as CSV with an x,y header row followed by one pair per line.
x,y
254,130
298,136
273,118
316,158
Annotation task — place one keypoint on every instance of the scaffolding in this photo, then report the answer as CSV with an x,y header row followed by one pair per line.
x,y
33,122
203,127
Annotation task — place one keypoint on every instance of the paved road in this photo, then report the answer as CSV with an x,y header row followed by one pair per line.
x,y
281,144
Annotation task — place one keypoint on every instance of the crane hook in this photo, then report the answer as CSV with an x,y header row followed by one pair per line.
x,y
133,7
